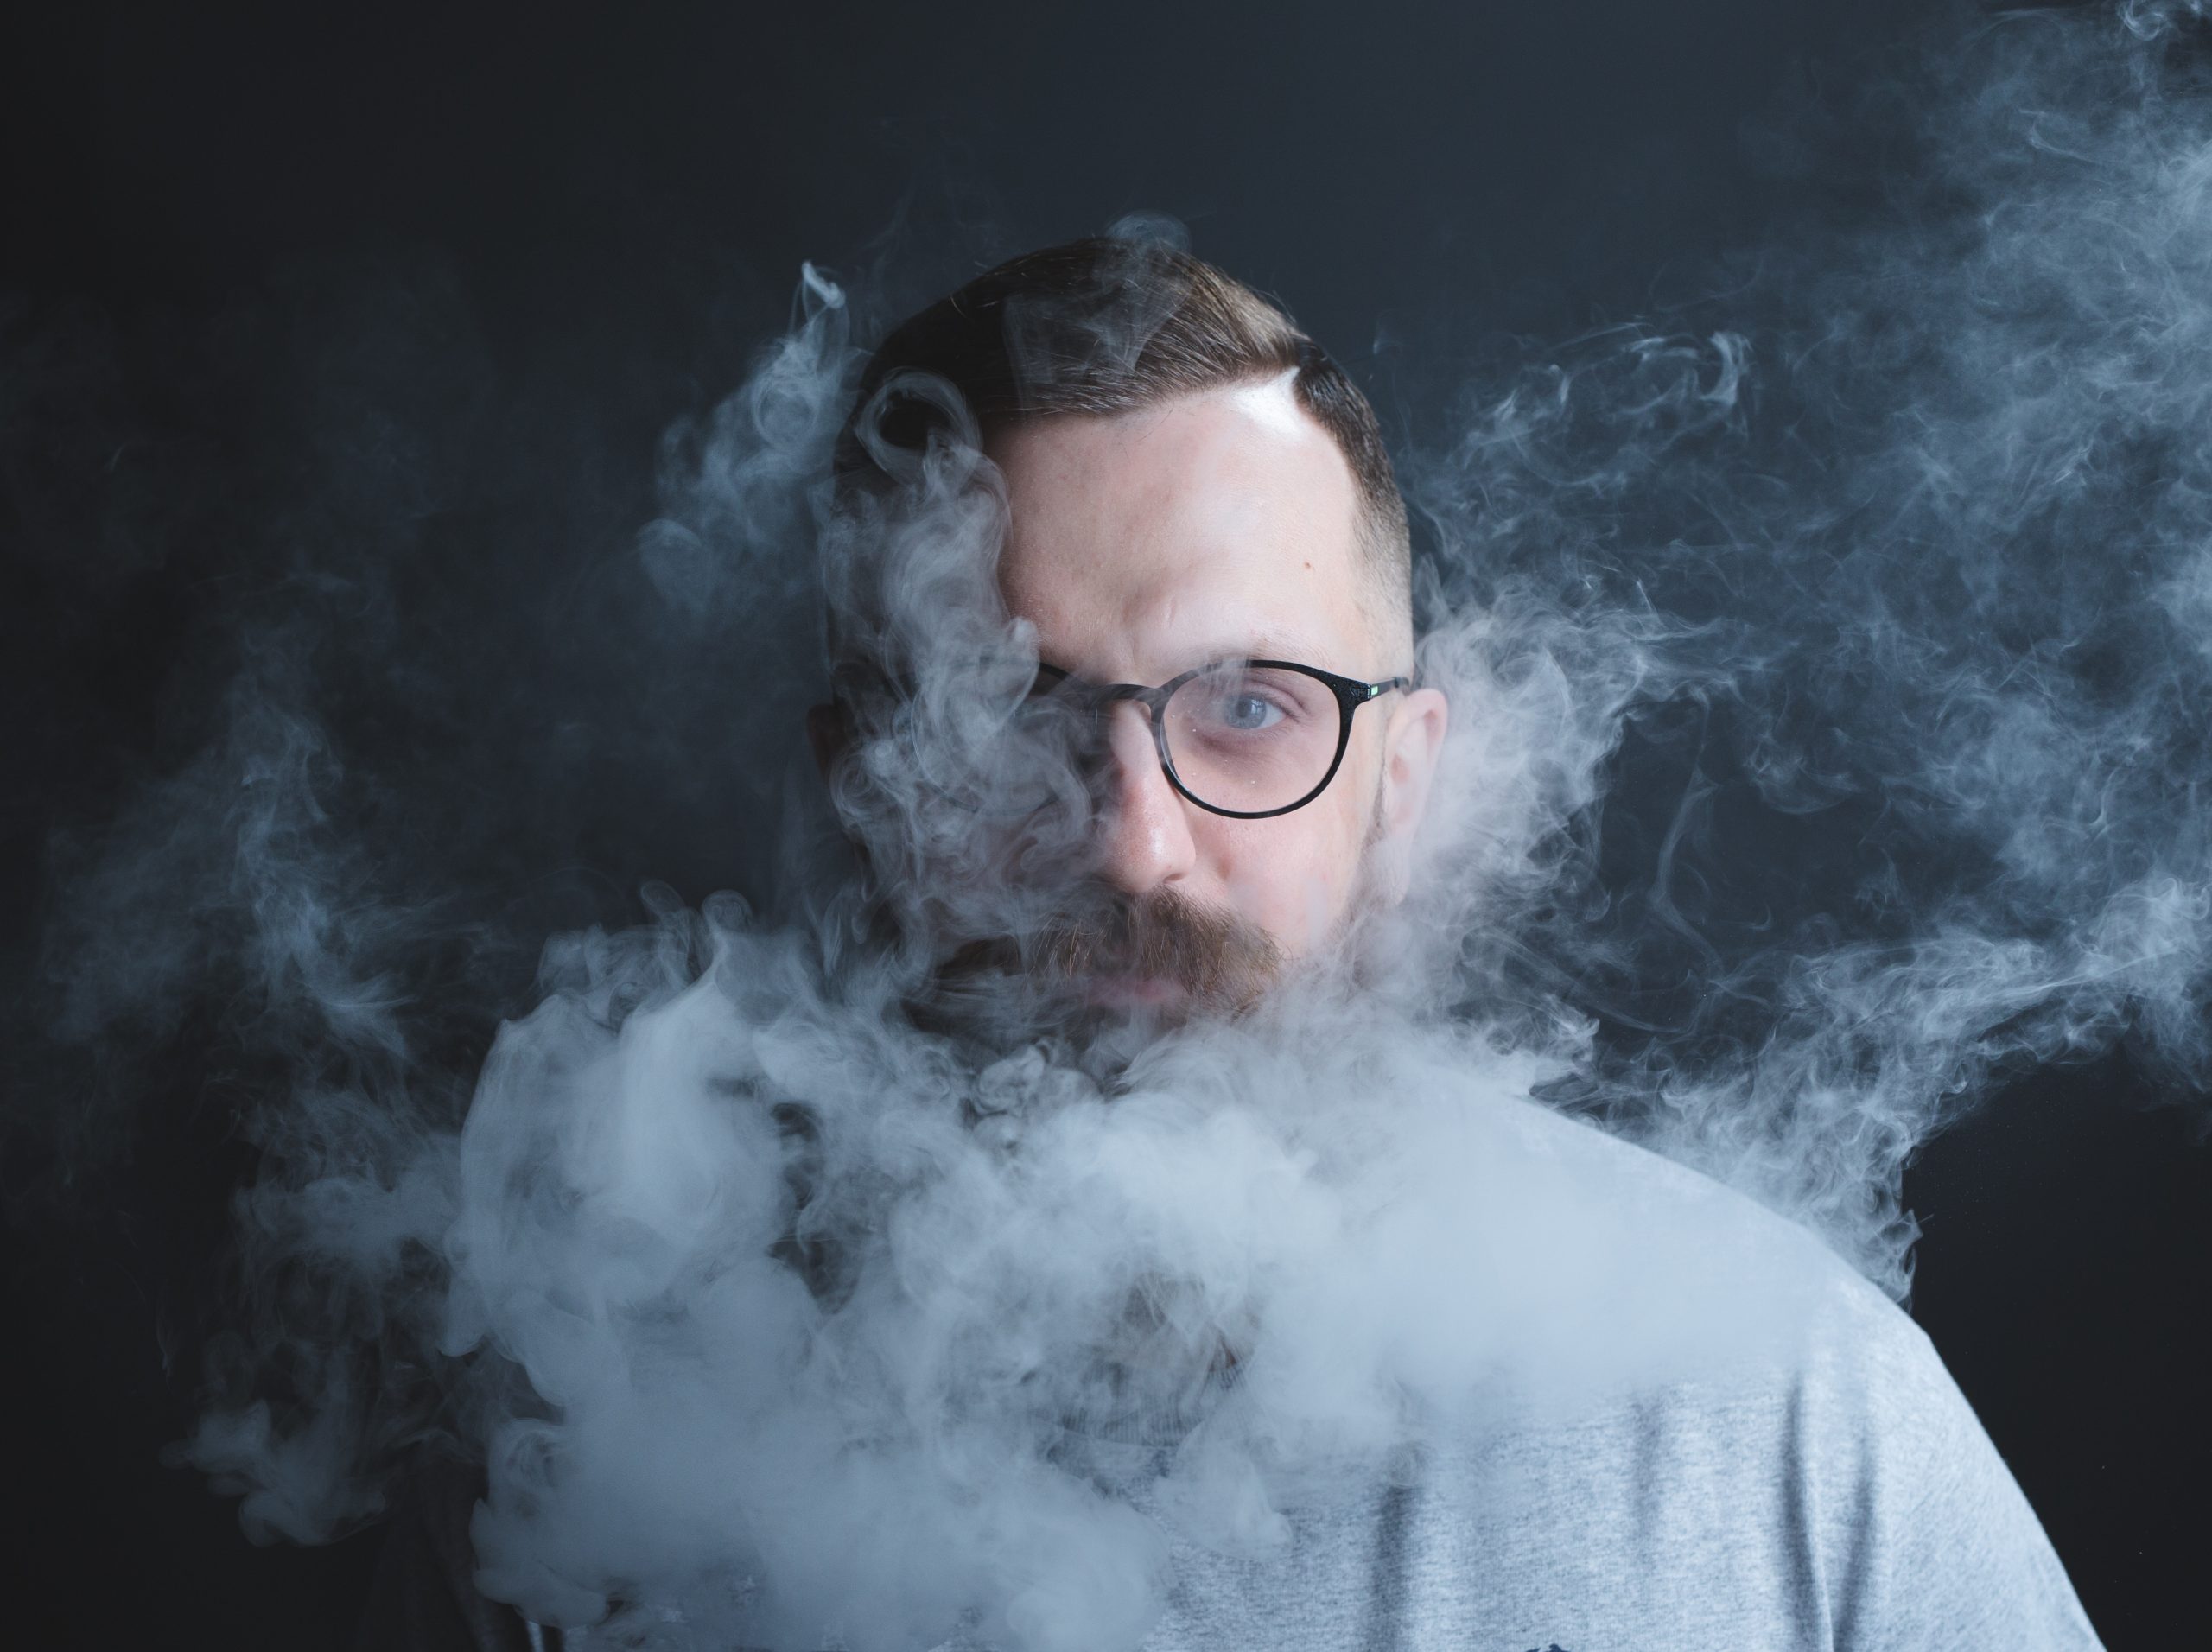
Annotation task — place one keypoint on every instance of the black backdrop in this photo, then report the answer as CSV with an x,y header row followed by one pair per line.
x,y
622,198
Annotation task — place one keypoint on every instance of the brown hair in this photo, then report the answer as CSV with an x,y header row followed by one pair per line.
x,y
1108,325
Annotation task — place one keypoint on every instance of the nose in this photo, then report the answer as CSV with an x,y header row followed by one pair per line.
x,y
1145,837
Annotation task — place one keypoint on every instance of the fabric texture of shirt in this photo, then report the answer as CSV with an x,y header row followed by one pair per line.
x,y
1827,1489
1830,1488
1853,1502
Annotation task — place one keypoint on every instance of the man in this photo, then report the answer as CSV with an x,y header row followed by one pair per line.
x,y
1204,563
1189,490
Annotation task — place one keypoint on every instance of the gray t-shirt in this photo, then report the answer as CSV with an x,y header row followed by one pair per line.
x,y
1836,1492
1825,1486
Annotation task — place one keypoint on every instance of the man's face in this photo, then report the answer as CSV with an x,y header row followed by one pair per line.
x,y
1217,526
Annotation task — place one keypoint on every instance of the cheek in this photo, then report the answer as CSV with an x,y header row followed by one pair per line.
x,y
1292,875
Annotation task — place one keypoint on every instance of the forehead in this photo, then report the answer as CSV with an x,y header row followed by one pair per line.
x,y
1216,524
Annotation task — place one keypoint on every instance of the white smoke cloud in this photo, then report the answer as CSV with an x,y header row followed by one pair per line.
x,y
1829,674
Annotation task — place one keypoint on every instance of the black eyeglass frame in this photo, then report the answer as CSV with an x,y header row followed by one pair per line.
x,y
1100,699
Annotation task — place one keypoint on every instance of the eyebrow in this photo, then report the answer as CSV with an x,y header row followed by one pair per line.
x,y
1291,649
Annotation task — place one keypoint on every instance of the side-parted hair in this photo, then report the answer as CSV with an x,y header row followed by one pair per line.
x,y
1107,326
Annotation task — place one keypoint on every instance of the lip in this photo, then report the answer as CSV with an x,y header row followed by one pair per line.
x,y
1131,992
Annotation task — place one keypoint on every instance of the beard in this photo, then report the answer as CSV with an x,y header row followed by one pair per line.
x,y
1098,961
1164,948
1104,965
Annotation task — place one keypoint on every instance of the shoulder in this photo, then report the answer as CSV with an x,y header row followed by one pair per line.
x,y
1662,1288
1823,1405
1637,1270
1688,1237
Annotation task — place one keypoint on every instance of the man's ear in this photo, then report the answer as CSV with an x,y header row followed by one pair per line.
x,y
828,732
1412,742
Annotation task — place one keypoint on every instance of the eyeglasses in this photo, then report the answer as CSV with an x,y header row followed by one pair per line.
x,y
1245,738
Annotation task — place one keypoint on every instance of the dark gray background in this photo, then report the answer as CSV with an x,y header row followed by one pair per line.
x,y
620,198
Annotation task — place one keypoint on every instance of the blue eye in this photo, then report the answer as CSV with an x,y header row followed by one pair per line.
x,y
1247,713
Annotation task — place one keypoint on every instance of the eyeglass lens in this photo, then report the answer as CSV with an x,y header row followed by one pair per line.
x,y
1251,738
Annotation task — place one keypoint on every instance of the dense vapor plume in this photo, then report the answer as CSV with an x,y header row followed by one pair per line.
x,y
1910,519
1830,659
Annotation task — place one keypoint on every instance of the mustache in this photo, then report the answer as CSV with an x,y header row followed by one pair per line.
x,y
1220,960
